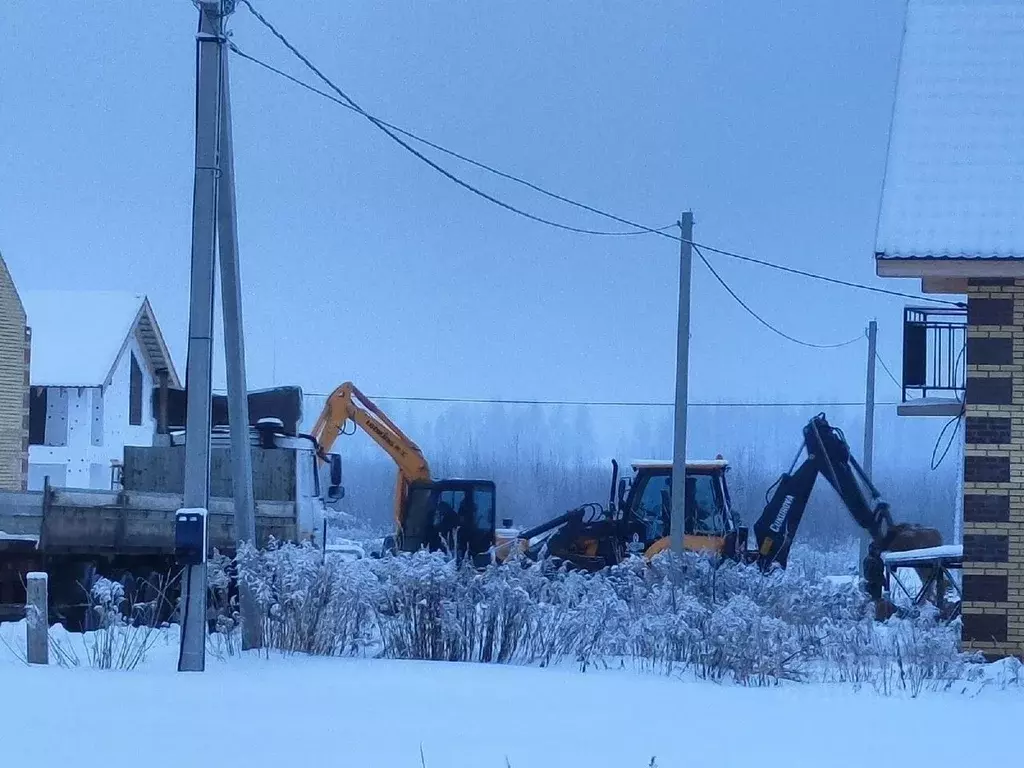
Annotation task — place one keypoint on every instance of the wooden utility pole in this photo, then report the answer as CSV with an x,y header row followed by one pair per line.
x,y
678,519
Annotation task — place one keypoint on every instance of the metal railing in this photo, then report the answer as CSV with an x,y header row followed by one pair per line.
x,y
934,352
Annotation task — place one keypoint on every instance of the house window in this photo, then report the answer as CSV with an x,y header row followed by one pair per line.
x,y
37,416
135,394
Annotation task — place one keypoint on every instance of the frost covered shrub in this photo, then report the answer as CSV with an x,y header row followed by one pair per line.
x,y
429,607
818,563
719,621
730,621
120,640
308,605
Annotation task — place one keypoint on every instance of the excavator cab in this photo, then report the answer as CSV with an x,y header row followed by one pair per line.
x,y
449,516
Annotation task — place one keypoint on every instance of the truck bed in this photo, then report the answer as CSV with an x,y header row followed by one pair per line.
x,y
72,521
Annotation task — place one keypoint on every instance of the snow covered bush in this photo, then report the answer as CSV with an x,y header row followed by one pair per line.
x,y
308,605
680,614
119,640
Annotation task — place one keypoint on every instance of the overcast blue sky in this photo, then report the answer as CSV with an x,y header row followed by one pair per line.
x,y
768,119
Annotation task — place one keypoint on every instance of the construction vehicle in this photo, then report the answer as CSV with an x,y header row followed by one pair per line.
x,y
456,515
77,535
638,517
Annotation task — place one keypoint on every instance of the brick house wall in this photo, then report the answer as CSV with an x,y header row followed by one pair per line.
x,y
14,367
993,574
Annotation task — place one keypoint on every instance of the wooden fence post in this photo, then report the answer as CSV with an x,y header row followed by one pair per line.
x,y
37,614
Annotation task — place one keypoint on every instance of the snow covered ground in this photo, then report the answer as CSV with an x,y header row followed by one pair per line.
x,y
305,711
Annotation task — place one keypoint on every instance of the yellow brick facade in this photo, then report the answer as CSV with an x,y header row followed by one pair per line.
x,y
993,606
14,360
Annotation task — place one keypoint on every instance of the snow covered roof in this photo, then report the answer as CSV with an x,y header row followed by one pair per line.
x,y
78,336
954,178
943,552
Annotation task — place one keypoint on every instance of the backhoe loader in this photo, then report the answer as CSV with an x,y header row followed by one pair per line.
x,y
638,517
454,515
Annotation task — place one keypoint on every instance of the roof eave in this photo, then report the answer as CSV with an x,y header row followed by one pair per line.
x,y
949,266
165,362
64,385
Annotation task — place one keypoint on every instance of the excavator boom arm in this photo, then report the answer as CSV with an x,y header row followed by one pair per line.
x,y
346,403
827,454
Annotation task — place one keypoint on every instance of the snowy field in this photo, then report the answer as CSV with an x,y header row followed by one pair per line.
x,y
307,711
681,664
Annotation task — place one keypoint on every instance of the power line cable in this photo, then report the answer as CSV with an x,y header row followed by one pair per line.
x,y
387,129
450,152
760,319
885,368
956,420
405,145
826,278
638,228
603,403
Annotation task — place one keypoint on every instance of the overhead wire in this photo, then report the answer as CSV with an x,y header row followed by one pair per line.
x,y
393,132
826,278
393,135
440,148
607,403
885,368
957,420
760,319
604,403
459,156
638,228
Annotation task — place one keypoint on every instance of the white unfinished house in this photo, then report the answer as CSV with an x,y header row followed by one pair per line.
x,y
96,357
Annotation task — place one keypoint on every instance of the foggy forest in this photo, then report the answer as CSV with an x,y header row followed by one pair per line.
x,y
547,459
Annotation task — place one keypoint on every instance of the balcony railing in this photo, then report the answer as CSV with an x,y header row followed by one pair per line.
x,y
934,354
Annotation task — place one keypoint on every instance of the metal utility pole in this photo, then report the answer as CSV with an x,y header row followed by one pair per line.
x,y
199,369
869,420
234,349
682,375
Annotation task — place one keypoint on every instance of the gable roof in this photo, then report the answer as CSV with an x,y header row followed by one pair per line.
x,y
78,336
954,178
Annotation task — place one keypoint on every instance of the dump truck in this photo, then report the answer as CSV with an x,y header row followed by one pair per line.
x,y
76,535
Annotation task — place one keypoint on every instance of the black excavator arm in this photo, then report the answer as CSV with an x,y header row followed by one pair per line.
x,y
827,454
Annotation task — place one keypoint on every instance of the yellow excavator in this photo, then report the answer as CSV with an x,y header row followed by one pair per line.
x,y
449,514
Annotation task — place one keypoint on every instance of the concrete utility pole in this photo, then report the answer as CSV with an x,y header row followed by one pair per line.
x,y
234,349
867,460
199,371
682,376
37,632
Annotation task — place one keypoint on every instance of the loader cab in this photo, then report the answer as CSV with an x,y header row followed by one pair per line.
x,y
645,506
450,515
